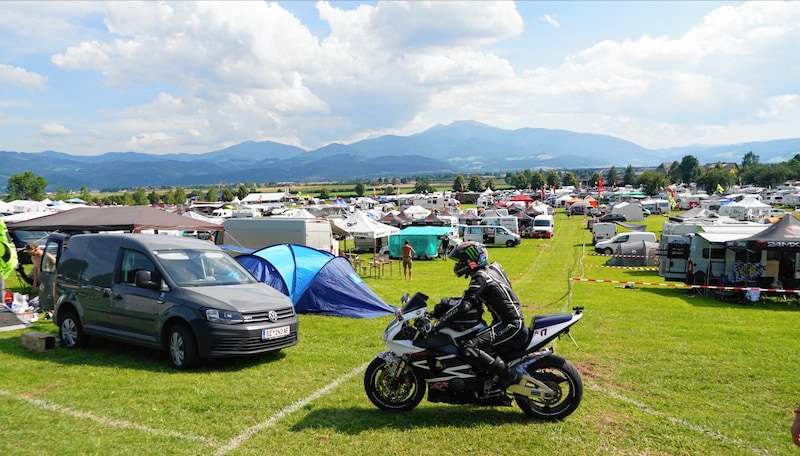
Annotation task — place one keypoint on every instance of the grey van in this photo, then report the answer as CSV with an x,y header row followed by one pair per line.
x,y
181,295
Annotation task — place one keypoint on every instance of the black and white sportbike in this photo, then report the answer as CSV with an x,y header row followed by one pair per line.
x,y
550,389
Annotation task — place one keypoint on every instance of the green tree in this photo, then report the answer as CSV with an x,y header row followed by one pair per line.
x,y
629,177
651,182
491,184
227,194
85,195
611,177
749,159
595,179
359,189
180,195
475,184
459,184
211,195
570,179
689,169
241,193
552,179
324,193
140,197
422,186
26,186
61,194
537,180
715,178
153,198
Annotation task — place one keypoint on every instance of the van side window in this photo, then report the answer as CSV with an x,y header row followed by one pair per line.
x,y
99,256
623,238
132,262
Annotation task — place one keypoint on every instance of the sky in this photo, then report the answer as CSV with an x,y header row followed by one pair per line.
x,y
88,78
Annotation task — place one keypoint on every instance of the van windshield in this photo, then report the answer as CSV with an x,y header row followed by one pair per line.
x,y
200,268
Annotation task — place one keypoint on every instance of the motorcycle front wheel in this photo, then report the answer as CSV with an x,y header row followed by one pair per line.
x,y
562,377
393,394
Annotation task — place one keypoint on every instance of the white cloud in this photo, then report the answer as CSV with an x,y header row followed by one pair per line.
x,y
195,76
551,20
54,129
15,76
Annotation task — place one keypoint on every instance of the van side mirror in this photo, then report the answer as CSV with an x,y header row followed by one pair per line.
x,y
144,279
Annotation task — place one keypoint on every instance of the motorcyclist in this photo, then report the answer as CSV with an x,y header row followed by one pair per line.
x,y
488,285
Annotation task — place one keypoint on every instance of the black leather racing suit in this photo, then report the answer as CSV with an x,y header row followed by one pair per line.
x,y
489,286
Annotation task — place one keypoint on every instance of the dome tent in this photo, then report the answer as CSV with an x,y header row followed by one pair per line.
x,y
317,282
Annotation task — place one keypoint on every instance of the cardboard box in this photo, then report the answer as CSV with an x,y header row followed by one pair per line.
x,y
39,342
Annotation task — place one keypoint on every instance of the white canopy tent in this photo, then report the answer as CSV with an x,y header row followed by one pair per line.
x,y
366,231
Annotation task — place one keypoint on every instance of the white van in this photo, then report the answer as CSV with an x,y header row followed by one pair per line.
x,y
543,226
608,247
510,223
491,235
602,231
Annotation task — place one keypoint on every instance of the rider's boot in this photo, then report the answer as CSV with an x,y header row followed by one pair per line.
x,y
507,376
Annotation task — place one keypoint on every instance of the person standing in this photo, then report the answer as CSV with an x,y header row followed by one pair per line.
x,y
408,253
445,247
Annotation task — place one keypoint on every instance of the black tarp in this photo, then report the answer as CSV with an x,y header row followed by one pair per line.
x,y
784,235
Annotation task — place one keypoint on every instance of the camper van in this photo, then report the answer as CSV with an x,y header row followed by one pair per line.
x,y
608,247
543,226
510,223
603,231
490,235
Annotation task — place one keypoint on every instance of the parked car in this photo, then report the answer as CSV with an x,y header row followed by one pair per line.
x,y
613,218
178,294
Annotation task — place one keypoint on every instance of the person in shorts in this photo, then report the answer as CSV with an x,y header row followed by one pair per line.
x,y
408,254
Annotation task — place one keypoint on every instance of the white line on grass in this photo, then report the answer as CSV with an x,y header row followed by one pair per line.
x,y
714,435
238,440
108,421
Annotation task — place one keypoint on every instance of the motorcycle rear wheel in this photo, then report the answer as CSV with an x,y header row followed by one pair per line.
x,y
561,376
393,394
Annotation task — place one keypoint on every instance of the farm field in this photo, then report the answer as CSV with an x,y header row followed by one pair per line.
x,y
666,372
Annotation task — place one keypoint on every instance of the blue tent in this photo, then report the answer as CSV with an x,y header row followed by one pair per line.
x,y
316,281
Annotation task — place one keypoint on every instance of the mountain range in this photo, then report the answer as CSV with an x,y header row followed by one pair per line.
x,y
462,147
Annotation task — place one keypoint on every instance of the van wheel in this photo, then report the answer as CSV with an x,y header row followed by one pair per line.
x,y
182,347
70,331
608,251
510,243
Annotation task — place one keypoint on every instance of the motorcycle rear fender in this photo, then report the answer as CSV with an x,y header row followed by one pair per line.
x,y
545,328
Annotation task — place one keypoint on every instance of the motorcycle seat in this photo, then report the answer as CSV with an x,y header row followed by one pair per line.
x,y
540,321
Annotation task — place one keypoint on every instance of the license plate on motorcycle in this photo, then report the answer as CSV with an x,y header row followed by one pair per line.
x,y
274,333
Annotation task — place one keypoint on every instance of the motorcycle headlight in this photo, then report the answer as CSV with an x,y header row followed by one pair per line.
x,y
228,317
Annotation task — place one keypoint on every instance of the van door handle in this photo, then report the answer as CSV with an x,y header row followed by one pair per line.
x,y
160,301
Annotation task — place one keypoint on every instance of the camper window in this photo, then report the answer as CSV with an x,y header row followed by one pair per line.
x,y
716,254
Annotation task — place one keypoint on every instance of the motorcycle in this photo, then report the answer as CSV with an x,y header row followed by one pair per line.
x,y
396,380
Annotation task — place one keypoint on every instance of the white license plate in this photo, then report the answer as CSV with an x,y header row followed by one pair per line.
x,y
274,333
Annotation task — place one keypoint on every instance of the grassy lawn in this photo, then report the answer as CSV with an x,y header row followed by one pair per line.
x,y
666,373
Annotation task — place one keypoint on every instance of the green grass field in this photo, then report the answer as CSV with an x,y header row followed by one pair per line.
x,y
666,372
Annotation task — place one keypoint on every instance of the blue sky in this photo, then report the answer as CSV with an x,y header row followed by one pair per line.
x,y
162,77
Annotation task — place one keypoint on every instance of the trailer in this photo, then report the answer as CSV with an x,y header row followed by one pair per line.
x,y
255,233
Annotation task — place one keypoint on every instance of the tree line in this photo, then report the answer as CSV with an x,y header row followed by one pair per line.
x,y
28,186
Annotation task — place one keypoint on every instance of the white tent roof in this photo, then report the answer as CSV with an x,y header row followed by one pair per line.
x,y
359,225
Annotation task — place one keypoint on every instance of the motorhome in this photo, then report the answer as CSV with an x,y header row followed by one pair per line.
x,y
489,235
511,223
